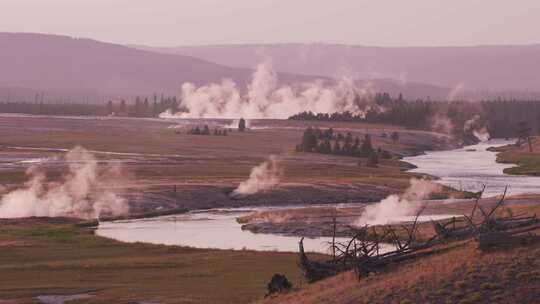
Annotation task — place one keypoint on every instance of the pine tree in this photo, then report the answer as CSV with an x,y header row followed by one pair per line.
x,y
337,148
242,125
395,136
367,147
309,140
373,159
523,133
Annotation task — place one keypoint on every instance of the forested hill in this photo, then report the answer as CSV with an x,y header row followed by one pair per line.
x,y
61,65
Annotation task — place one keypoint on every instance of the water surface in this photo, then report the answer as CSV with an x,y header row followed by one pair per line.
x,y
215,228
471,167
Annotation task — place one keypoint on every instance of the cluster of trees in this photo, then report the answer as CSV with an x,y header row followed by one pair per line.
x,y
327,141
500,117
206,131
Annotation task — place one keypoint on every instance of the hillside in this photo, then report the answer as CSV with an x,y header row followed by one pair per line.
x,y
496,68
88,69
459,272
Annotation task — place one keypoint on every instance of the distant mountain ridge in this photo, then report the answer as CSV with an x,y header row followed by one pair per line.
x,y
64,63
495,68
87,69
52,68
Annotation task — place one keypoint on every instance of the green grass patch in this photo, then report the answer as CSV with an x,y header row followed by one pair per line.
x,y
61,258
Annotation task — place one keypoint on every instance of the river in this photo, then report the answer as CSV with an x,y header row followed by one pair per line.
x,y
471,167
467,168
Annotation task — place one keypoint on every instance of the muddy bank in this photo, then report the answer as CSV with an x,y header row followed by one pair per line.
x,y
318,221
180,198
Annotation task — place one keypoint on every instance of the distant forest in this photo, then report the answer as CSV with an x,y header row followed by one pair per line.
x,y
500,117
137,108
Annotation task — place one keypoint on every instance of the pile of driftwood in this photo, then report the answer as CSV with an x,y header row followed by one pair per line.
x,y
488,228
371,249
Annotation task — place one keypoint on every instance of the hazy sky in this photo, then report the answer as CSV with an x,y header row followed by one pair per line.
x,y
191,22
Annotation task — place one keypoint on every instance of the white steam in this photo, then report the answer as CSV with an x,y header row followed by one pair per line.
x,y
482,134
265,99
395,208
440,122
83,192
475,126
456,91
262,178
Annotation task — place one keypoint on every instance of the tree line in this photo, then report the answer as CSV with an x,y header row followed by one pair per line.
x,y
139,107
501,118
206,131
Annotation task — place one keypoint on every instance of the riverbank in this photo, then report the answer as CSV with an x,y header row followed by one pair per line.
x,y
319,221
527,162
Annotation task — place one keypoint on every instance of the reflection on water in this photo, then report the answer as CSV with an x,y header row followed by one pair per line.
x,y
471,167
210,229
218,229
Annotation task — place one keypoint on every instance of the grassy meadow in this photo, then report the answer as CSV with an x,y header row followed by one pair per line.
x,y
54,256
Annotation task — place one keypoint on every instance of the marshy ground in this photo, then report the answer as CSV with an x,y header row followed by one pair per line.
x,y
165,170
158,158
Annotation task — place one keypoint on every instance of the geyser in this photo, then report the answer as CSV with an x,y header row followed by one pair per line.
x,y
83,191
394,207
265,99
261,178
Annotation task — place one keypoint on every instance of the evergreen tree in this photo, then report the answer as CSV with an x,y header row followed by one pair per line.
x,y
242,125
373,159
367,147
110,107
337,148
356,144
395,136
123,107
523,133
348,144
309,141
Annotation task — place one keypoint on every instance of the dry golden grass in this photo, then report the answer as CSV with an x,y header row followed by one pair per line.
x,y
221,162
458,274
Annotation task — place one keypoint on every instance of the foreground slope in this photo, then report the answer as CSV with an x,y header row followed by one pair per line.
x,y
458,273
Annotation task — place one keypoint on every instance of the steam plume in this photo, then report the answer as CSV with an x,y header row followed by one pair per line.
x,y
441,123
82,192
265,99
456,91
476,127
394,207
262,178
